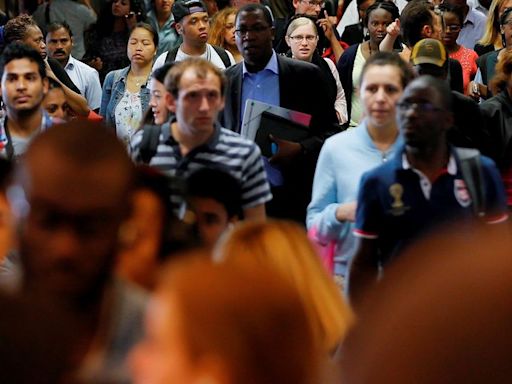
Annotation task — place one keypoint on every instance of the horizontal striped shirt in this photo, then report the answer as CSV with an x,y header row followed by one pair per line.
x,y
225,150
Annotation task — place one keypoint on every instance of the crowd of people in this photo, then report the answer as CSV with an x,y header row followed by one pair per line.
x,y
242,191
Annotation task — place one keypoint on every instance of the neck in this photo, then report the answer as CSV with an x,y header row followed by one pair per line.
x,y
24,124
193,50
140,70
162,17
63,62
383,137
256,67
189,140
452,48
429,160
373,46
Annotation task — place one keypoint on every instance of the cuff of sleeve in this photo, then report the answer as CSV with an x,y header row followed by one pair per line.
x,y
365,235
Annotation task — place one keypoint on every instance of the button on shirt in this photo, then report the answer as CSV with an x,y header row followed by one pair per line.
x,y
86,79
261,86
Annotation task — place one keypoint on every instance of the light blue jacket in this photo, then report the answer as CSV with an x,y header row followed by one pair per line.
x,y
343,160
113,90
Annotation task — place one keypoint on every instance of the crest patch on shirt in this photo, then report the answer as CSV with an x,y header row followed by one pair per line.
x,y
397,206
461,193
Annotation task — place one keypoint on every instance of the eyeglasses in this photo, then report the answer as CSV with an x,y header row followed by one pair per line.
x,y
418,107
508,23
257,29
300,38
314,3
452,28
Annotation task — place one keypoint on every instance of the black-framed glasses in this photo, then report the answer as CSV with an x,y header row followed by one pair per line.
x,y
314,3
424,107
257,29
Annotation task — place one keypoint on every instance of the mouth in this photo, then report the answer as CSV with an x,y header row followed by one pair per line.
x,y
22,99
203,35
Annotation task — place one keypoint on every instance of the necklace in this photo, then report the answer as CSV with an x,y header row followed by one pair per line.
x,y
139,80
370,47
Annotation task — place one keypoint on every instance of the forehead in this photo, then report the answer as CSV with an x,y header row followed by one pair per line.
x,y
60,33
252,17
421,90
141,33
382,74
51,180
196,15
191,81
21,66
55,95
379,13
308,28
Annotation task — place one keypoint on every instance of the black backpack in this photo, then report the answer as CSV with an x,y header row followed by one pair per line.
x,y
171,55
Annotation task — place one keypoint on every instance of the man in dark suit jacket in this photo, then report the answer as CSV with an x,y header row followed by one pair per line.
x,y
296,85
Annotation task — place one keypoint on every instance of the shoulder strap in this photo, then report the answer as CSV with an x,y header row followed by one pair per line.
x,y
223,56
471,169
149,142
171,55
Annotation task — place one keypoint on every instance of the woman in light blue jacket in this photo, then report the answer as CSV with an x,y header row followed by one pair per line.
x,y
125,95
347,155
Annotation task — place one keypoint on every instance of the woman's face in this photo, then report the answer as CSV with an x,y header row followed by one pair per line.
x,y
120,8
452,28
506,4
381,88
162,356
157,102
302,41
378,21
56,104
229,30
141,49
506,30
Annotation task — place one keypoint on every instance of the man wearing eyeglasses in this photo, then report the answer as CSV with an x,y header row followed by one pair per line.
x,y
267,77
423,187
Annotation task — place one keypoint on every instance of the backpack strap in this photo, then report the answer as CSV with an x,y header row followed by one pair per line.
x,y
171,55
471,170
223,55
149,142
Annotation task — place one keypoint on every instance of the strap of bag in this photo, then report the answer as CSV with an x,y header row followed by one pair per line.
x,y
223,56
171,55
471,169
149,142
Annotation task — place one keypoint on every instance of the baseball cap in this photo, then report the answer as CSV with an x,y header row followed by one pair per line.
x,y
429,51
182,8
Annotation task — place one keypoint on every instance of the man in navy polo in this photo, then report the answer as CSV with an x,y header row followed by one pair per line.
x,y
420,189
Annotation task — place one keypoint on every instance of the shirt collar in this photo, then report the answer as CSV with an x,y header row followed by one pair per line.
x,y
210,144
71,63
271,66
451,168
470,17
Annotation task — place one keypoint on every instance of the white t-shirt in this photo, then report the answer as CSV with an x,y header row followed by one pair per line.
x,y
209,54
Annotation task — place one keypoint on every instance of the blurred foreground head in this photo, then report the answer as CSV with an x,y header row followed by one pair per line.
x,y
441,315
226,325
283,247
70,195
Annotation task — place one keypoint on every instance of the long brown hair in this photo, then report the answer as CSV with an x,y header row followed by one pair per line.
x,y
218,26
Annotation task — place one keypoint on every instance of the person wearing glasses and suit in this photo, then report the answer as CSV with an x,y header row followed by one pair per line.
x,y
267,77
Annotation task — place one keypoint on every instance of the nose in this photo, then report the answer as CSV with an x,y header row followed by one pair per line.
x,y
21,83
66,243
205,105
381,94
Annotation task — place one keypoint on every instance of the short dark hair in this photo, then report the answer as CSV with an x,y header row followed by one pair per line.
x,y
219,186
16,28
15,51
249,8
390,58
148,28
415,15
455,9
441,87
160,73
386,5
56,25
201,68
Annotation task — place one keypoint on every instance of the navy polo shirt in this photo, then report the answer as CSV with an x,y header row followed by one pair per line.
x,y
397,203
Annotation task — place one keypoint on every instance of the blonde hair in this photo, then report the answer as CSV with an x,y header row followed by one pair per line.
x,y
284,247
300,22
218,25
492,27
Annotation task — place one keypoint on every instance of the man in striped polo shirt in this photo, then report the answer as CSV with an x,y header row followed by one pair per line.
x,y
194,140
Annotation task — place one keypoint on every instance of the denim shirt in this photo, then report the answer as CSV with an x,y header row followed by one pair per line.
x,y
113,90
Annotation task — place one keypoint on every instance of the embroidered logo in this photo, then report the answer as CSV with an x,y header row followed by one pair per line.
x,y
397,207
461,193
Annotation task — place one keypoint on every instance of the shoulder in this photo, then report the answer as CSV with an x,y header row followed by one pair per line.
x,y
234,70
